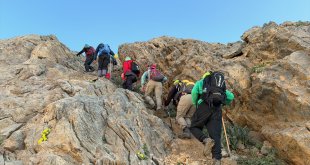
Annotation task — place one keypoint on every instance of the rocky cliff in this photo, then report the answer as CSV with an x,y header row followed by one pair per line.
x,y
43,86
268,71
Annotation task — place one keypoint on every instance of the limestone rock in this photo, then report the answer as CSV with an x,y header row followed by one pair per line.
x,y
270,77
15,142
265,150
256,137
14,163
234,49
44,86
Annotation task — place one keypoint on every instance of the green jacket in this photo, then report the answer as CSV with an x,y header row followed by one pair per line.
x,y
197,90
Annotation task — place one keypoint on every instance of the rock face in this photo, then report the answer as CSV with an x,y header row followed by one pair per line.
x,y
43,86
269,73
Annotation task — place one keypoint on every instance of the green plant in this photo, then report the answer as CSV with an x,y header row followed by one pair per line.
x,y
104,139
146,150
258,68
270,159
117,80
237,134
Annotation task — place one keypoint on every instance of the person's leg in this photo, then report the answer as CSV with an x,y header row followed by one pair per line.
x,y
100,66
150,86
105,64
86,63
128,82
182,108
214,127
199,120
158,94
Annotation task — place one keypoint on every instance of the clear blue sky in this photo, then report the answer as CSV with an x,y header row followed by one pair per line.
x,y
124,21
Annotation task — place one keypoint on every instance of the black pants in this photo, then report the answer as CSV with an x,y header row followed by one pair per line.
x,y
130,79
103,62
87,63
211,117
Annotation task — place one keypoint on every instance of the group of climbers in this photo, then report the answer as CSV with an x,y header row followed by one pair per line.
x,y
198,104
105,56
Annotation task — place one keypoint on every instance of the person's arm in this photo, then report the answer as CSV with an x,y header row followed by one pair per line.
x,y
144,77
82,51
229,97
171,94
196,91
112,53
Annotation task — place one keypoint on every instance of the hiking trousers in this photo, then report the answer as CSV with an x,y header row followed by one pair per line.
x,y
185,111
157,87
130,79
103,62
87,63
211,117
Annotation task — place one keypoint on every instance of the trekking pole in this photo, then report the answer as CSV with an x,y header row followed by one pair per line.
x,y
227,142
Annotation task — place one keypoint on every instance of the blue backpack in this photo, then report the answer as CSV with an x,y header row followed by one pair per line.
x,y
104,50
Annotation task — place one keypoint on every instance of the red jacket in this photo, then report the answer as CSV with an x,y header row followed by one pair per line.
x,y
127,66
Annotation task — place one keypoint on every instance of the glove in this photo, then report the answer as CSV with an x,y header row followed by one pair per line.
x,y
114,62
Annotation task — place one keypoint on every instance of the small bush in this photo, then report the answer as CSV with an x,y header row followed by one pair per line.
x,y
146,150
117,80
270,159
259,68
237,134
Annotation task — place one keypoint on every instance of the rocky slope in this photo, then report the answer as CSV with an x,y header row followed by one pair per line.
x,y
43,86
269,72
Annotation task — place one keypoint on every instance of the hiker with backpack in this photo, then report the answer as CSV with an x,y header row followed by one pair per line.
x,y
105,56
154,79
90,57
131,72
180,93
208,95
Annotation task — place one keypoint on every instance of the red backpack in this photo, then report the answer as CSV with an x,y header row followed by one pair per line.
x,y
156,75
90,51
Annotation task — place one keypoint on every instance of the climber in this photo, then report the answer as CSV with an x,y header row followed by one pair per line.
x,y
180,93
208,96
90,57
155,79
130,73
105,55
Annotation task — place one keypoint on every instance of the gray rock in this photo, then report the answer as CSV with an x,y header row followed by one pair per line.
x,y
1,159
266,148
234,50
15,142
6,132
16,162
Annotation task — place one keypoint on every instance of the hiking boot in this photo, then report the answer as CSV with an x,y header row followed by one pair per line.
x,y
208,142
216,162
186,134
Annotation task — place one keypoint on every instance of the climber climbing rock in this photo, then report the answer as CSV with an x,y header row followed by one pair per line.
x,y
105,56
90,57
208,95
180,94
130,73
155,80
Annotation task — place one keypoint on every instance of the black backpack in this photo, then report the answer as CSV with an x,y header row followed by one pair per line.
x,y
135,68
214,88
